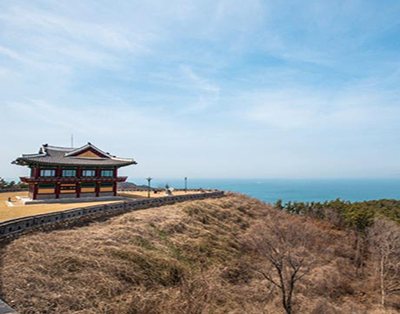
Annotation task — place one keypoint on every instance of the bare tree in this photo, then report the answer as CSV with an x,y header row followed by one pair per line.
x,y
283,244
384,238
290,269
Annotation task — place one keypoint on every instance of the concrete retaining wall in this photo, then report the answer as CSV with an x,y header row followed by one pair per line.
x,y
14,226
6,309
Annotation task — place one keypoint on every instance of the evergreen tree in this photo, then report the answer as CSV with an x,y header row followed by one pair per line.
x,y
279,205
3,183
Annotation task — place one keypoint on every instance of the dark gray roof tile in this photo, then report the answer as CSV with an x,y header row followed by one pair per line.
x,y
52,155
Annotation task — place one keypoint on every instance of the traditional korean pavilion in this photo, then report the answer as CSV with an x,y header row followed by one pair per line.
x,y
60,172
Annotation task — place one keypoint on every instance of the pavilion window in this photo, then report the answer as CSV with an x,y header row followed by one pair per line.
x,y
88,173
107,173
68,187
47,173
46,186
69,173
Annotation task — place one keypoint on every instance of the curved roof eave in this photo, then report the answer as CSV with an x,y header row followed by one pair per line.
x,y
25,162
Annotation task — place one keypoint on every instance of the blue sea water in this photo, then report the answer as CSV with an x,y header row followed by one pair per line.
x,y
270,190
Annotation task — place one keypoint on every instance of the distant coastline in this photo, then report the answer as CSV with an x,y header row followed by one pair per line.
x,y
302,190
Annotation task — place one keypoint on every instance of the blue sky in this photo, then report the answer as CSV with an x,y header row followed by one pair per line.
x,y
206,89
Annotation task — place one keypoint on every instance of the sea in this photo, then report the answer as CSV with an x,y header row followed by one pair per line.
x,y
301,190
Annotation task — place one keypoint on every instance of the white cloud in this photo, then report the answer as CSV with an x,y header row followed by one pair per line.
x,y
108,36
202,86
321,110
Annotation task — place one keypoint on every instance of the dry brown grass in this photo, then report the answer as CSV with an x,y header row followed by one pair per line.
x,y
187,258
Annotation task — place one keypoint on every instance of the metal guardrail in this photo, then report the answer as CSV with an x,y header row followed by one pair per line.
x,y
17,225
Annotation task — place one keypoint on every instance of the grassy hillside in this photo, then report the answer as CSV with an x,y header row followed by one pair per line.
x,y
209,256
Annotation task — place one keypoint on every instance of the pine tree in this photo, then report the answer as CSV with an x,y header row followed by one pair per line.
x,y
3,183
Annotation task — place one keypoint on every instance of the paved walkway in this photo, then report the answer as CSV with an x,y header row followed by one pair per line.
x,y
5,309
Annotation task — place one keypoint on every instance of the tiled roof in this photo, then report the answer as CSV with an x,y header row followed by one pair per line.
x,y
52,155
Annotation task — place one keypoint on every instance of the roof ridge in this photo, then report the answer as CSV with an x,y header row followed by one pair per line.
x,y
34,155
59,147
88,145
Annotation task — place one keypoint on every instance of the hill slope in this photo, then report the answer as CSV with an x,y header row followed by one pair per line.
x,y
194,257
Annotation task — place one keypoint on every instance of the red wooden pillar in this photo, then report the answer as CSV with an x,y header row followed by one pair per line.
x,y
97,188
79,172
58,172
98,175
58,184
78,189
115,183
36,172
58,189
115,189
35,191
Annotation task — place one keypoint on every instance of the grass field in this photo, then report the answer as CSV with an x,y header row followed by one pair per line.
x,y
12,212
196,257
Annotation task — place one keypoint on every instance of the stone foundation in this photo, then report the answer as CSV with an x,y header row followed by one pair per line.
x,y
83,195
67,195
44,196
106,194
28,201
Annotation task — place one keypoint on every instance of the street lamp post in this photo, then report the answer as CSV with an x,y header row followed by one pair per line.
x,y
148,186
185,184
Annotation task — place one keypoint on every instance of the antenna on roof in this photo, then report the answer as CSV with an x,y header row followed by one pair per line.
x,y
72,140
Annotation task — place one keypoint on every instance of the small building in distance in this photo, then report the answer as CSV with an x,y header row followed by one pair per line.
x,y
60,172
